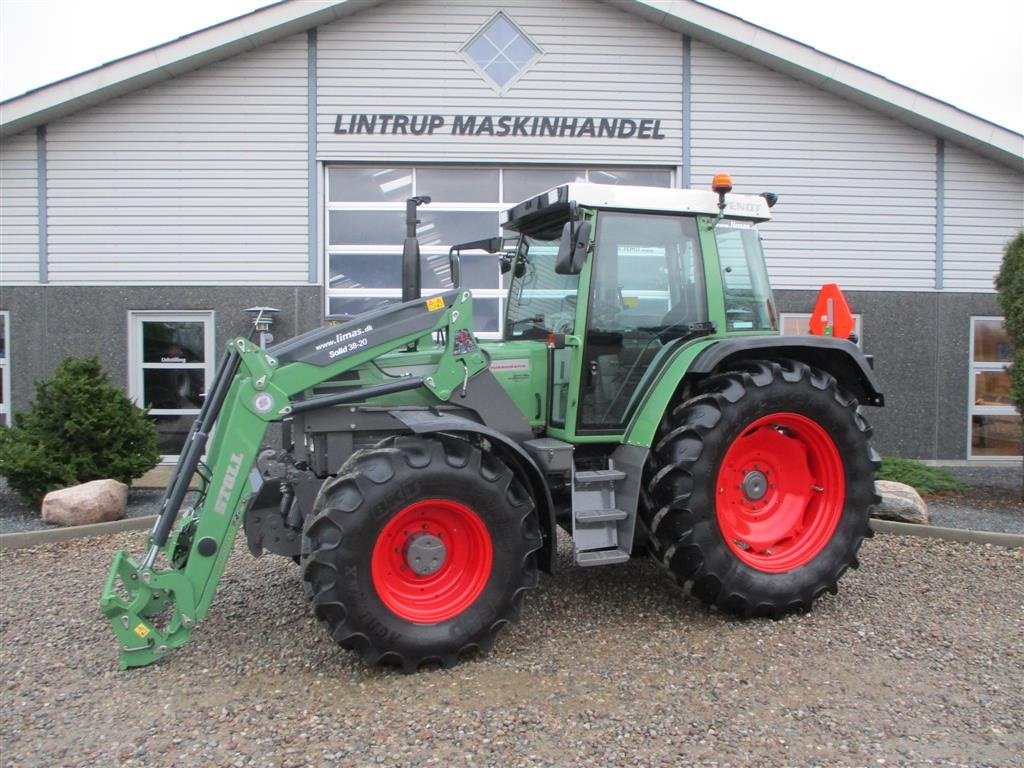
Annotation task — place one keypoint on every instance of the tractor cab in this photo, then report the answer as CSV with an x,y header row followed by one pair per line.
x,y
613,279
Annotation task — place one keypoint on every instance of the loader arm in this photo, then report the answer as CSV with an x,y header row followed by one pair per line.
x,y
154,604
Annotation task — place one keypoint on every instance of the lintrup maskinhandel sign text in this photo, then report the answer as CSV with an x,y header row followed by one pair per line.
x,y
499,125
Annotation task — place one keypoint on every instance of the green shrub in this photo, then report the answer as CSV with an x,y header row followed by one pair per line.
x,y
924,479
1010,287
78,428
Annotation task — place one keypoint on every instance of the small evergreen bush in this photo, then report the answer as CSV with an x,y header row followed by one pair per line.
x,y
924,479
1010,288
78,428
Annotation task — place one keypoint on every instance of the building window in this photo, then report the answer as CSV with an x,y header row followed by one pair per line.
x,y
366,227
171,362
798,324
994,430
5,368
501,51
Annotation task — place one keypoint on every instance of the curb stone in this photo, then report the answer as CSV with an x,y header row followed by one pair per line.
x,y
32,538
1009,540
25,539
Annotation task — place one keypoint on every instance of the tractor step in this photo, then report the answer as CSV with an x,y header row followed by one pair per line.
x,y
600,476
601,557
589,516
600,529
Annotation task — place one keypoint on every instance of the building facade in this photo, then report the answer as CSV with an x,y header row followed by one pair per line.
x,y
266,162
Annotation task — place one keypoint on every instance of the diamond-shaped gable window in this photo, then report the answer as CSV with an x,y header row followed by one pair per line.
x,y
501,51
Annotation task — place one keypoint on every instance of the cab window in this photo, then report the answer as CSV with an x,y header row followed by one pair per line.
x,y
748,297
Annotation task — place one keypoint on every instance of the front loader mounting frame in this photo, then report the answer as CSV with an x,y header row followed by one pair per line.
x,y
154,603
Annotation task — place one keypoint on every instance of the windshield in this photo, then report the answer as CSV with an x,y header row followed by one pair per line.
x,y
540,300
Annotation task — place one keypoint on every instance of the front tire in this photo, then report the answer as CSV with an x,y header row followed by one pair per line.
x,y
759,488
420,551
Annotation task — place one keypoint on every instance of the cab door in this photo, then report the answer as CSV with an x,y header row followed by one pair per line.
x,y
646,290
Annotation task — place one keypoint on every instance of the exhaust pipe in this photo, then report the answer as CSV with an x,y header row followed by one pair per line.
x,y
411,282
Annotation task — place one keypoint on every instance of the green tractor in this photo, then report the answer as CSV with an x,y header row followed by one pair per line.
x,y
641,399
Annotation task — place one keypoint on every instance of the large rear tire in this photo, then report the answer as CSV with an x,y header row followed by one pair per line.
x,y
420,551
758,488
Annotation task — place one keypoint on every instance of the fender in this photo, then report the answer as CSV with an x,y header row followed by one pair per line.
x,y
423,422
841,358
702,358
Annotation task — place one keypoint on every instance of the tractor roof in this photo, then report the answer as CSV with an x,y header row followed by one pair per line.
x,y
554,205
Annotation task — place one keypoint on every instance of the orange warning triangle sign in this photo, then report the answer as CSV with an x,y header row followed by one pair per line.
x,y
831,315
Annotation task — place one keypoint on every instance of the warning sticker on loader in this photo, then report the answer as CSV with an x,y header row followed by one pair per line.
x,y
142,630
435,303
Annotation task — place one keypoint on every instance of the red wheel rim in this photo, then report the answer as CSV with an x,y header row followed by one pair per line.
x,y
780,492
432,560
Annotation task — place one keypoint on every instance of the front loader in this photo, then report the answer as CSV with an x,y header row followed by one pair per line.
x,y
641,399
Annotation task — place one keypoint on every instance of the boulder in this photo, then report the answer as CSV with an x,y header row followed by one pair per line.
x,y
95,502
899,502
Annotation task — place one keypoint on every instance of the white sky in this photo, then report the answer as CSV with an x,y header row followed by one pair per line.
x,y
968,54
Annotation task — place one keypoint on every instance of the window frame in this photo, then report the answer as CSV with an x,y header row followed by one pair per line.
x,y
137,366
975,367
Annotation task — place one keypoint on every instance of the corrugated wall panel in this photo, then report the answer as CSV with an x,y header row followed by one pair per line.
x,y
199,180
857,189
984,209
19,220
403,58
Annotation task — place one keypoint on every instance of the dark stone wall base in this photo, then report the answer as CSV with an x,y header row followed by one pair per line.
x,y
920,342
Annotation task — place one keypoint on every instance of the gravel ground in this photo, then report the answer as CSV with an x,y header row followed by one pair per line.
x,y
917,661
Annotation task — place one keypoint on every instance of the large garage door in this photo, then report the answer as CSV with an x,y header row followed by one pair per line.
x,y
366,226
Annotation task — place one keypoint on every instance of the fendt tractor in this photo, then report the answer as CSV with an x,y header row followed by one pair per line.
x,y
641,399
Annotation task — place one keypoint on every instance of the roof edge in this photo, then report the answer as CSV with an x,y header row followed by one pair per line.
x,y
849,81
711,25
171,59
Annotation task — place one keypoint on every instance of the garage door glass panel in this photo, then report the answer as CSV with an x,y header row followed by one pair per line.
x,y
366,270
446,228
521,184
346,306
479,270
369,184
366,227
453,185
485,315
632,177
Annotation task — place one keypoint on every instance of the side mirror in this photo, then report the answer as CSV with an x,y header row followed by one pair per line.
x,y
572,248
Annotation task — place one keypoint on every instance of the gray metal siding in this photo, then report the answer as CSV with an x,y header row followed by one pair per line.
x,y
198,180
857,189
403,58
984,209
19,222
